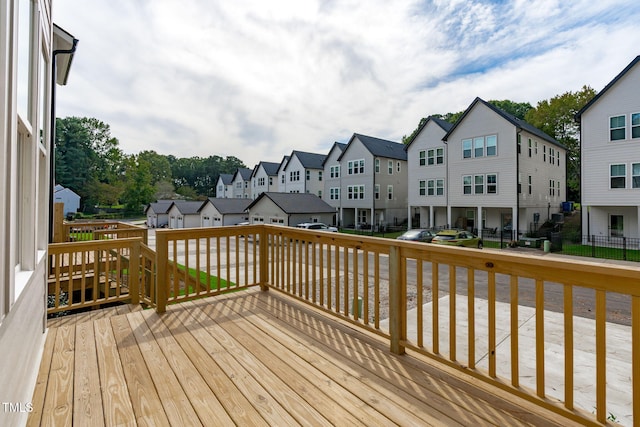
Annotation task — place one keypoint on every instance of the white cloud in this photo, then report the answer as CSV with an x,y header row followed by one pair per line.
x,y
258,79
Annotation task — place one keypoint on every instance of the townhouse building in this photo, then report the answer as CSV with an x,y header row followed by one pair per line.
x,y
241,183
289,209
282,176
373,183
264,178
30,71
502,173
427,175
216,212
303,173
610,158
224,186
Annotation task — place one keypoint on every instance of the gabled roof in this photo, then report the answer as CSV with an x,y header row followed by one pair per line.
x,y
187,207
296,203
159,207
229,206
283,163
227,178
245,174
308,160
444,125
336,146
379,147
607,87
518,123
270,168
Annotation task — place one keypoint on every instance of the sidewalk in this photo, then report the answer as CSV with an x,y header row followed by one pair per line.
x,y
619,392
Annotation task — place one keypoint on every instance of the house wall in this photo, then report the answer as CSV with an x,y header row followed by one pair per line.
x,y
257,189
329,183
282,178
355,151
241,188
70,200
223,191
298,184
430,138
267,211
24,199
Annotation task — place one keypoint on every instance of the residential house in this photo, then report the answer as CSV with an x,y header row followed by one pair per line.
x,y
373,182
185,214
69,198
304,173
224,186
217,212
264,178
282,176
427,175
610,158
289,209
28,39
157,213
331,165
503,173
241,183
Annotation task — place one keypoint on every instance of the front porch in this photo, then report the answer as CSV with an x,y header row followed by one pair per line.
x,y
252,358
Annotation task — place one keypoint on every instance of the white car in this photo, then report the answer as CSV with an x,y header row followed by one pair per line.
x,y
317,226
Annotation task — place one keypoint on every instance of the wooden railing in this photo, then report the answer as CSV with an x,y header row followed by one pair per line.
x,y
93,273
101,230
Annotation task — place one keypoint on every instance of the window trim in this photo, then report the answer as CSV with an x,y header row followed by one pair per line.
x,y
623,176
623,127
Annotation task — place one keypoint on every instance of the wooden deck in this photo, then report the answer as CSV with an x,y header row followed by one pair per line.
x,y
251,358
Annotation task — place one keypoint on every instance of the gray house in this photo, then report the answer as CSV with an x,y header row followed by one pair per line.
x,y
331,165
290,209
304,173
185,214
157,213
68,197
241,183
224,186
264,178
217,212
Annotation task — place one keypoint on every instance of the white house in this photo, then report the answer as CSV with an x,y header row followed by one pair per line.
x,y
373,182
157,213
304,172
610,158
264,178
331,177
503,173
218,212
427,175
241,183
28,39
66,196
185,214
289,209
282,176
224,186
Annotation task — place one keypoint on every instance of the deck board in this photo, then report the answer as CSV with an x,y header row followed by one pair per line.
x,y
252,358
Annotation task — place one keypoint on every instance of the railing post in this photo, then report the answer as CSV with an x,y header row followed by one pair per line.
x,y
397,302
264,262
162,267
134,273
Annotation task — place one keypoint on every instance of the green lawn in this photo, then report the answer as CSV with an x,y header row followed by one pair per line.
x,y
600,252
213,281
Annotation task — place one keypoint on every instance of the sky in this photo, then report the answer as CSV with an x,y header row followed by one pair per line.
x,y
257,79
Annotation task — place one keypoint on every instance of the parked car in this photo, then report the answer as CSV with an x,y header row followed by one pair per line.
x,y
457,238
418,235
317,226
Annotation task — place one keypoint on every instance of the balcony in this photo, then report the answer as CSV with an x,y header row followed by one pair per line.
x,y
273,325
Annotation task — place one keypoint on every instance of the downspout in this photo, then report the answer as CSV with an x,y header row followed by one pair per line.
x,y
52,142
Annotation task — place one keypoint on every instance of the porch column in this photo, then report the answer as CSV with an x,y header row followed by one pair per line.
x,y
432,220
355,220
449,216
479,221
515,223
410,218
373,218
341,218
638,221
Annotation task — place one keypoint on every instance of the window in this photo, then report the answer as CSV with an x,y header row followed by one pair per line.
x,y
492,145
319,175
277,220
376,192
466,148
239,185
398,167
530,147
617,125
334,171
552,187
422,188
355,167
466,184
261,181
439,187
390,192
282,178
294,176
618,176
535,143
431,157
355,192
519,143
439,156
308,175
220,188
492,183
422,158
246,184
530,185
334,193
431,187
479,184
616,225
635,125
377,165
635,175
558,189
390,167
558,158
478,147
270,180
320,193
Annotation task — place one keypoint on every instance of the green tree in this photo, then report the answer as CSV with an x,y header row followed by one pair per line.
x,y
518,109
556,117
138,190
159,165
